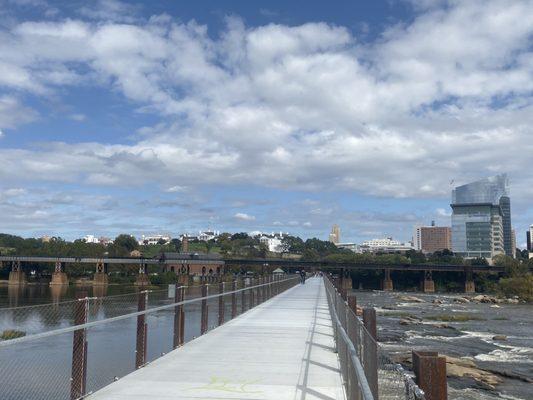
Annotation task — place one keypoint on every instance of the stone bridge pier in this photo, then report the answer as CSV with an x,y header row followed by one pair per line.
x,y
428,285
16,276
142,277
387,281
100,277
470,286
59,276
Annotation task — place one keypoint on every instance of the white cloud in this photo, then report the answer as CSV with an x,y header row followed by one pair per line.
x,y
77,117
301,107
443,213
175,189
244,217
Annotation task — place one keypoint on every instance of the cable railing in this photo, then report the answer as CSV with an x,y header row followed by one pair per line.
x,y
88,347
368,371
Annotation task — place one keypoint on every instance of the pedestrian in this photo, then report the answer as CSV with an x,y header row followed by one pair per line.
x,y
302,277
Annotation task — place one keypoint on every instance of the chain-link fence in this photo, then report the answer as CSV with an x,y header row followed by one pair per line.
x,y
96,341
368,371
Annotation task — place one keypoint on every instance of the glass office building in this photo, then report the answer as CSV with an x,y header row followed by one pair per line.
x,y
481,218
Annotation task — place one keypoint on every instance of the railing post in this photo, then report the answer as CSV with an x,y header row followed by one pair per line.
x,y
430,374
234,299
252,293
178,297
370,353
182,318
204,318
243,296
221,304
79,349
142,334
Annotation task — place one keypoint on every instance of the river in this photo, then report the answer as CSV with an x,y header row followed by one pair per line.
x,y
40,369
400,332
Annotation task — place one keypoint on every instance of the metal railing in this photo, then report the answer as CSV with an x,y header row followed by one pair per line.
x,y
367,370
75,348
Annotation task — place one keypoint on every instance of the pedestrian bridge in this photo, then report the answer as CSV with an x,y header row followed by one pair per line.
x,y
265,338
281,349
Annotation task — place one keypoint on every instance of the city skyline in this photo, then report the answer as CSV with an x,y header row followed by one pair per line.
x,y
138,117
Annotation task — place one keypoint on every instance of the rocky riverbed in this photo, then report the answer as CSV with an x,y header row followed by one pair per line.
x,y
488,341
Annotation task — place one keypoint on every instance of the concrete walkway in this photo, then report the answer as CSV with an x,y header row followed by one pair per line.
x,y
282,349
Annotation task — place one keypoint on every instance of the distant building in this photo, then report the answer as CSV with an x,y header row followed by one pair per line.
x,y
481,218
350,246
208,235
273,242
335,235
430,239
91,239
513,242
45,239
154,239
529,237
386,245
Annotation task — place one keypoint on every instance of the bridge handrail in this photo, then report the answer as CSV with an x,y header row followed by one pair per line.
x,y
361,379
42,335
385,378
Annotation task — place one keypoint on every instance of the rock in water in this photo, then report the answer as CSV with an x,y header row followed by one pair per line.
x,y
499,337
411,299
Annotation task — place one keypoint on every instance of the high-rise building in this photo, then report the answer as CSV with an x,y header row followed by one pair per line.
x,y
481,218
529,238
430,239
513,242
335,235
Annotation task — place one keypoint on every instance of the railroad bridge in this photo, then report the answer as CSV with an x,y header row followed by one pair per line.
x,y
202,268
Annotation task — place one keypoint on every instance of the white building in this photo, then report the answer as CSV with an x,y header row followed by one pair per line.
x,y
154,239
386,245
350,246
273,242
91,239
208,235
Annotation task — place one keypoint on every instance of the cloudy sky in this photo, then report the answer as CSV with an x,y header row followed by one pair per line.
x,y
165,116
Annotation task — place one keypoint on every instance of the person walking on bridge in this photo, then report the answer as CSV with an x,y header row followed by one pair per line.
x,y
302,277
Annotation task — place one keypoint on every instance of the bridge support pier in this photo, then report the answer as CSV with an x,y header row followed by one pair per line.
x,y
59,277
387,281
16,276
142,278
100,277
428,285
470,286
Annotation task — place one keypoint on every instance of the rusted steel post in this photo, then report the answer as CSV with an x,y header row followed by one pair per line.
x,y
252,293
430,374
243,294
233,299
203,327
221,304
182,318
370,346
260,290
181,312
140,348
352,303
177,316
79,349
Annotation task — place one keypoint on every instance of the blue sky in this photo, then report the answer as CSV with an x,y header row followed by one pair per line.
x,y
165,116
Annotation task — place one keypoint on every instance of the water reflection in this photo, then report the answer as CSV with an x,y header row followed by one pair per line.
x,y
58,292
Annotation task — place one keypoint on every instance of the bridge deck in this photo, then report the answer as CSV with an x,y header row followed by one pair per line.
x,y
282,349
